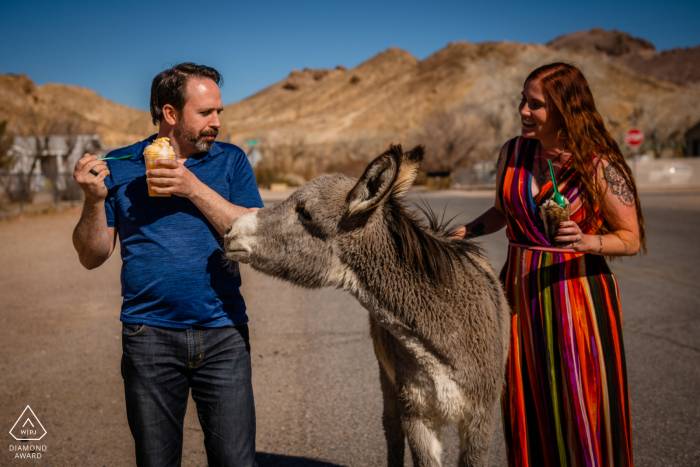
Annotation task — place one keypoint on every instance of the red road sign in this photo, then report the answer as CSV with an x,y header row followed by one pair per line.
x,y
634,137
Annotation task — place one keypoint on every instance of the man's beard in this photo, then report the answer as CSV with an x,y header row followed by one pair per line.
x,y
193,137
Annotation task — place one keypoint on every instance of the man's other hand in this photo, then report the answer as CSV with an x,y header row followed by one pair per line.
x,y
90,175
174,178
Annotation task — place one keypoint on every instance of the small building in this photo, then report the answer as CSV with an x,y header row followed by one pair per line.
x,y
56,153
45,164
692,141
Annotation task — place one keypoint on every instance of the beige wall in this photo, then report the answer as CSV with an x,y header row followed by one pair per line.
x,y
666,173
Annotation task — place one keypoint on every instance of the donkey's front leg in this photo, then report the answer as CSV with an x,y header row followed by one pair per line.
x,y
391,421
384,347
423,439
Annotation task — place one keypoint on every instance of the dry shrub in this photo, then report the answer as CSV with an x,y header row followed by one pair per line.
x,y
280,159
450,142
291,158
7,160
349,158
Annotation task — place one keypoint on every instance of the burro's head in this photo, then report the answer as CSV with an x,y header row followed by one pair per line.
x,y
334,226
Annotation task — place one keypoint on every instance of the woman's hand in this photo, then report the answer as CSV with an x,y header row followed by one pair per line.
x,y
459,233
570,233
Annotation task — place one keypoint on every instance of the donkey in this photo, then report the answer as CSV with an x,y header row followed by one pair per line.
x,y
439,319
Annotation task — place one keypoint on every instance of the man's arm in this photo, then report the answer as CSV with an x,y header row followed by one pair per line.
x,y
179,181
216,209
92,238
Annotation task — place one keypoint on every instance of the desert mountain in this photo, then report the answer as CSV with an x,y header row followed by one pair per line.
x,y
681,66
393,96
52,107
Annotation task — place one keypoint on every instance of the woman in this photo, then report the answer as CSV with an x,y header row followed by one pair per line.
x,y
567,399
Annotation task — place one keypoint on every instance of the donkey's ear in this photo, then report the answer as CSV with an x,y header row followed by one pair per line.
x,y
376,182
408,170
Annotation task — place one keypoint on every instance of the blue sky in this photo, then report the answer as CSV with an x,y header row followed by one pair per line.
x,y
116,48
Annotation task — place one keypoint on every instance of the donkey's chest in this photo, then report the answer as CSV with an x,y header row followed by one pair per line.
x,y
422,379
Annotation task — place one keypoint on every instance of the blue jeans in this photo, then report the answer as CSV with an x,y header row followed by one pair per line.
x,y
160,365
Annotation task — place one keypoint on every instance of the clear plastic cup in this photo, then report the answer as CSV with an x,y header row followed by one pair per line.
x,y
151,164
552,215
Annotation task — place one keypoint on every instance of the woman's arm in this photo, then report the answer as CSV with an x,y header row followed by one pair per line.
x,y
622,242
489,222
492,220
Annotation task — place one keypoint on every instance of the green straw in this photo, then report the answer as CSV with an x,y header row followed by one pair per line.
x,y
558,198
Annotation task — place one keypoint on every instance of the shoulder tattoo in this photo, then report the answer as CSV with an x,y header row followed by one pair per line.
x,y
618,186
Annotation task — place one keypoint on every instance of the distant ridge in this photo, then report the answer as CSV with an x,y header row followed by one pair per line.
x,y
680,65
389,96
24,104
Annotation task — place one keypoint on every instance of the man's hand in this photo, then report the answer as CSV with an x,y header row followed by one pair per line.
x,y
90,175
174,178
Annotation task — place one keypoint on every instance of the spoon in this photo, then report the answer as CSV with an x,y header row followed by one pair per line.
x,y
114,158
558,198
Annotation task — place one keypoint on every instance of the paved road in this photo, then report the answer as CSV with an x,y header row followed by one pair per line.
x,y
315,375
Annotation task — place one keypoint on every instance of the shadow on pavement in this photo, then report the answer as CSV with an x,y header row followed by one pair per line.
x,y
265,459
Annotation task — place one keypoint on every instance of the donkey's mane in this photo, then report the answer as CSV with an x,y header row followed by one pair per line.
x,y
427,244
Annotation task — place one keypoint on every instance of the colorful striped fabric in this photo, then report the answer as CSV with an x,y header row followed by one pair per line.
x,y
566,402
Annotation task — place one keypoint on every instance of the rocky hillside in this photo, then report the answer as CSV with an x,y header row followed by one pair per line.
x,y
60,108
681,66
393,96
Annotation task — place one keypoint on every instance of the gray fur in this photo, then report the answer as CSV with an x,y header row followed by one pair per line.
x,y
439,319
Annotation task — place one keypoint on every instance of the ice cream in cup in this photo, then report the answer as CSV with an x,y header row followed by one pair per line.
x,y
158,149
552,215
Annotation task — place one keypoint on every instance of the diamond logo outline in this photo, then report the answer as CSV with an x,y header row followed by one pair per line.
x,y
37,420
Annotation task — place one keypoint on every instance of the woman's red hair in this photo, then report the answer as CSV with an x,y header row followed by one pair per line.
x,y
586,137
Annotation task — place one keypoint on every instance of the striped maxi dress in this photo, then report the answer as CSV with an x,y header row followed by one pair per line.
x,y
566,402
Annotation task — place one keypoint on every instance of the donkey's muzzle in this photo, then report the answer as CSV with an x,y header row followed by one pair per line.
x,y
240,238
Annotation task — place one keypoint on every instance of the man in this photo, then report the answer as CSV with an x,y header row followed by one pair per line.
x,y
184,320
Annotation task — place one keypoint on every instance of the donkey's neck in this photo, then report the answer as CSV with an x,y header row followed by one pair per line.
x,y
383,281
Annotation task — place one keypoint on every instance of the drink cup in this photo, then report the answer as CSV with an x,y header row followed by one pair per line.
x,y
151,164
552,215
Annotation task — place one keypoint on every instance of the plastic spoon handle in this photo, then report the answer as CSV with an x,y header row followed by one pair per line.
x,y
114,158
558,198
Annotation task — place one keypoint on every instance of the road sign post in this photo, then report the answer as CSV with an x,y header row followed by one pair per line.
x,y
634,137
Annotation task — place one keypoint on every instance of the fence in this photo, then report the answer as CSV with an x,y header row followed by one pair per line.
x,y
649,174
18,190
480,175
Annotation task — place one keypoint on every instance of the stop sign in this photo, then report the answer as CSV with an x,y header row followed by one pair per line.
x,y
634,137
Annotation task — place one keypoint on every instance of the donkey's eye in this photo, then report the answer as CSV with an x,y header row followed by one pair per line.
x,y
303,213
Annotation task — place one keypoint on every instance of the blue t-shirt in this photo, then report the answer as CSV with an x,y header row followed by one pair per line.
x,y
174,272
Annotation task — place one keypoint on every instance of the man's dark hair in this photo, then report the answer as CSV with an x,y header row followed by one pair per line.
x,y
169,86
